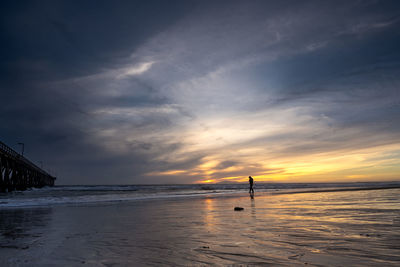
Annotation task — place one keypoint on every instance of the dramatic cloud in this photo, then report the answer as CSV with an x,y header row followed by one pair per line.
x,y
203,91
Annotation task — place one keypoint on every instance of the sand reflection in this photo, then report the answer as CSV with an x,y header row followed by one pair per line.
x,y
209,217
350,228
18,227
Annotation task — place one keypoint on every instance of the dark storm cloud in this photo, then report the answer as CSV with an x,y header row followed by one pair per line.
x,y
67,38
47,41
109,91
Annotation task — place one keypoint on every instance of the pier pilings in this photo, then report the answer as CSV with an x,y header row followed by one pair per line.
x,y
18,173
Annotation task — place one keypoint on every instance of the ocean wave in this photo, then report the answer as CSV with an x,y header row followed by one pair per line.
x,y
75,195
105,198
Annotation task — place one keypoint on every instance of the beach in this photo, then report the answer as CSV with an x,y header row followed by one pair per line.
x,y
337,228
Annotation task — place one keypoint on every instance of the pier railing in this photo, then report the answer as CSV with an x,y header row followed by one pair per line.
x,y
19,173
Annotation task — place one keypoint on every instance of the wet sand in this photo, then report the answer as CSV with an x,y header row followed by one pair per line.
x,y
341,228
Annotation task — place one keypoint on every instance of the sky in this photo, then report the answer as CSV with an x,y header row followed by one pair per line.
x,y
158,92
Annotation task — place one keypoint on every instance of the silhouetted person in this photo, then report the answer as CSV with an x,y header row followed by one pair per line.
x,y
251,182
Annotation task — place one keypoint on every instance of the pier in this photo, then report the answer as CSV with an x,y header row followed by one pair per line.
x,y
18,173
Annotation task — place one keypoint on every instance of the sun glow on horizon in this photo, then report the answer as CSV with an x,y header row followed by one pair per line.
x,y
369,164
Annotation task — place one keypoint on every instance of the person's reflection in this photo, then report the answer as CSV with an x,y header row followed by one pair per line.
x,y
253,206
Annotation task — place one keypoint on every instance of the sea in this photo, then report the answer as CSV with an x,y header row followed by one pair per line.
x,y
97,194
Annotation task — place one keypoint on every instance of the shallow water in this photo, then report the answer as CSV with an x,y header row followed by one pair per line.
x,y
357,228
77,195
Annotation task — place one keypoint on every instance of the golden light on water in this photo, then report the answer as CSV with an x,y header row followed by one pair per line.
x,y
209,218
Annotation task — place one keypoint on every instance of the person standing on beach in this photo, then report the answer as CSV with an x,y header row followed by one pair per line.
x,y
251,181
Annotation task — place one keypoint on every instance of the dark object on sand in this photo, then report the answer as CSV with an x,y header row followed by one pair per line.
x,y
238,208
